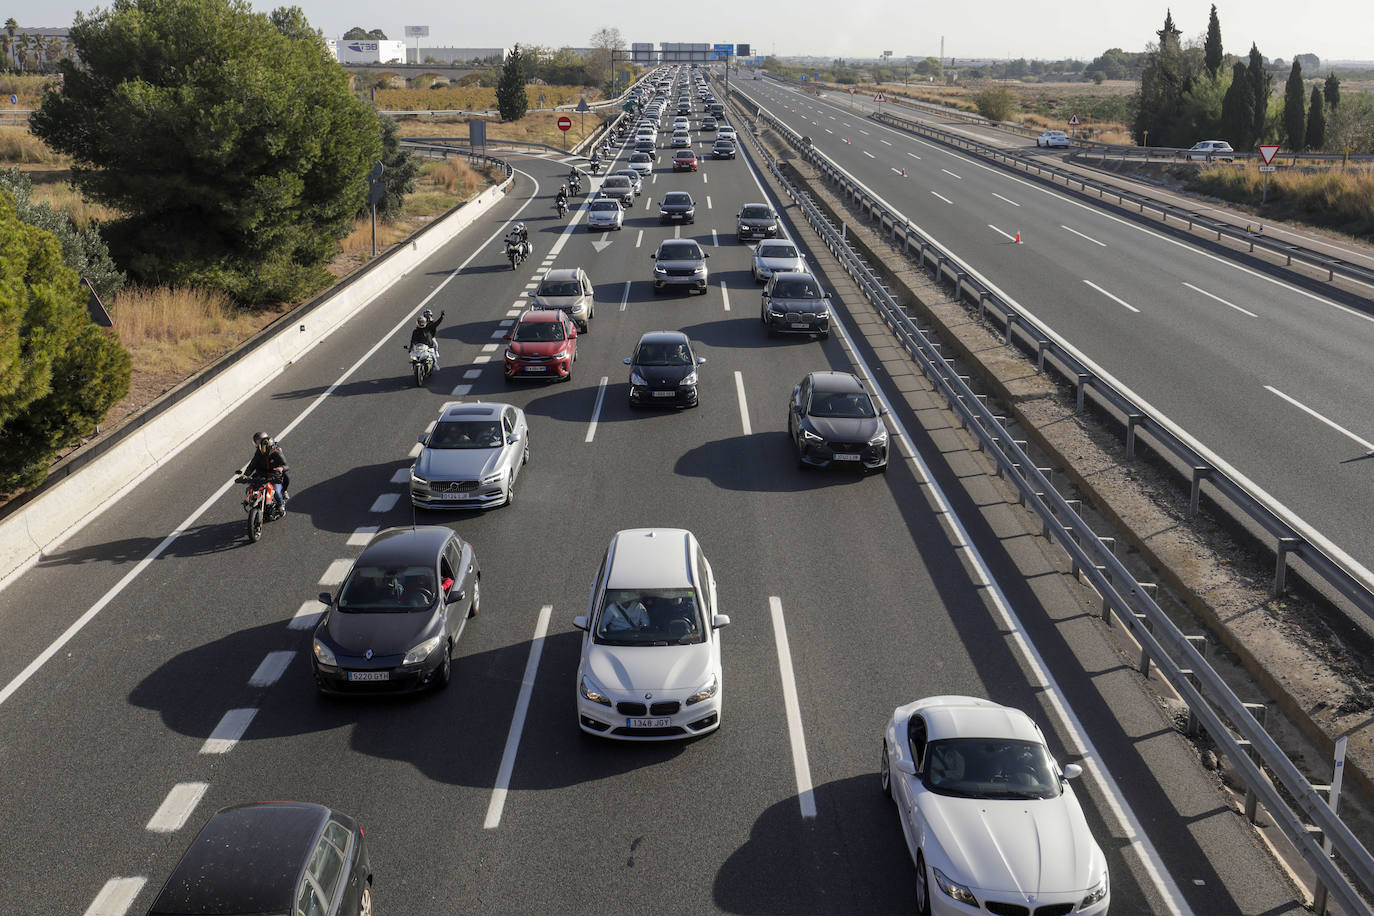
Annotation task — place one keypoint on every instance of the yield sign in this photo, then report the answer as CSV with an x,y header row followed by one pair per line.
x,y
1074,120
1268,151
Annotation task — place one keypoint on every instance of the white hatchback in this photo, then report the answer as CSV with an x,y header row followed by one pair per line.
x,y
650,667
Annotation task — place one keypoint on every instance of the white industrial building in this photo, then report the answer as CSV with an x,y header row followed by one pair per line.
x,y
366,51
423,55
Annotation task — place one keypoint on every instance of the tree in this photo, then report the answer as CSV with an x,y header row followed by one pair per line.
x,y
1162,83
236,151
11,28
1310,62
1294,108
995,103
510,91
1351,126
1316,122
84,251
360,34
59,373
399,168
1331,91
1211,49
1260,87
1238,109
605,42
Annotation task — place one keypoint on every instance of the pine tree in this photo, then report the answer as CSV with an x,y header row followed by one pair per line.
x,y
1211,50
1238,109
1260,88
1316,121
1294,109
510,92
1332,91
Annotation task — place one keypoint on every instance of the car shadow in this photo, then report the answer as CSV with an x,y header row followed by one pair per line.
x,y
474,333
453,736
761,463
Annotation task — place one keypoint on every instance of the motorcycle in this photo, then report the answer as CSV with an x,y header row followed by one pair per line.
x,y
575,185
260,502
562,206
422,359
517,252
594,166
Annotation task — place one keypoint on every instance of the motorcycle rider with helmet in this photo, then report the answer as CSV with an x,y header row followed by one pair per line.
x,y
426,327
268,463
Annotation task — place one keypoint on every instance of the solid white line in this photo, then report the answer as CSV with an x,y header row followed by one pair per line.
x,y
177,806
725,294
229,730
1115,299
306,616
115,897
1310,412
1007,199
385,503
1009,238
271,668
517,722
457,392
801,765
625,296
596,409
336,571
948,172
1219,299
743,406
1082,236
942,197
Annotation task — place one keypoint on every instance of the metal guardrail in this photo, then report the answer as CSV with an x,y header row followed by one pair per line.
x,y
1227,720
1106,192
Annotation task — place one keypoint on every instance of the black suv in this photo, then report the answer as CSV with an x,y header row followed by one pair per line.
x,y
757,221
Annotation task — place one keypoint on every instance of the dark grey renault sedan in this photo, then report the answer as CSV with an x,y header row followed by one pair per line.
x,y
272,857
833,421
396,621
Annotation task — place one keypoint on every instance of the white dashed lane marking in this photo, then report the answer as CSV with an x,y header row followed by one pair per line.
x,y
472,373
307,615
176,808
229,730
362,536
339,568
271,669
401,476
458,392
385,502
115,897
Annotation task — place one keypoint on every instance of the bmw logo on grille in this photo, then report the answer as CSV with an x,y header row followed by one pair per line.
x,y
368,655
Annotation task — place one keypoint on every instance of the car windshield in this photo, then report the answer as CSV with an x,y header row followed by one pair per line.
x,y
616,181
850,405
777,251
678,197
561,287
684,251
685,154
604,205
755,212
663,353
641,157
796,289
538,331
990,768
465,434
387,589
649,617
724,144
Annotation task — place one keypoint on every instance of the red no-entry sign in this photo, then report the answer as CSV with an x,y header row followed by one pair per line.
x,y
565,123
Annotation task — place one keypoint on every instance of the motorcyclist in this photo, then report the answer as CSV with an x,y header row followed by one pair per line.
x,y
425,331
574,177
268,463
517,239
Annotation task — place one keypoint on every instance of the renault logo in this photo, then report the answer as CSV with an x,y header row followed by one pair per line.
x,y
368,655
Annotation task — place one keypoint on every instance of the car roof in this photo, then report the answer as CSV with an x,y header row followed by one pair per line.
x,y
684,154
563,273
402,546
663,337
651,558
246,859
541,315
829,380
460,409
971,717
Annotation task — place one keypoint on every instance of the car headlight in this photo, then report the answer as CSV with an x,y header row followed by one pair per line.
x,y
511,356
592,691
422,651
953,889
494,478
417,480
1099,890
880,437
699,270
637,380
809,436
775,309
561,354
688,380
707,690
658,269
324,656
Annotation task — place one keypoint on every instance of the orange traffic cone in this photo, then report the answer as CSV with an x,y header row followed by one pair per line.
x,y
1018,236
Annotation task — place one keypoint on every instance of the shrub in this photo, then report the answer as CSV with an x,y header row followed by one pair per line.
x,y
995,103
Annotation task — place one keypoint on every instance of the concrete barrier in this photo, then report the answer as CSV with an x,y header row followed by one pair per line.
x,y
62,508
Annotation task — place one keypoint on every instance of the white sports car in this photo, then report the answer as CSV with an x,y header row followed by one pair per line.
x,y
990,819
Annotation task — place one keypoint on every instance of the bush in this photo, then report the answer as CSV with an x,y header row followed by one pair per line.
x,y
995,103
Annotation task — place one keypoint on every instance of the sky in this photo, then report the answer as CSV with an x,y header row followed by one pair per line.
x,y
1047,29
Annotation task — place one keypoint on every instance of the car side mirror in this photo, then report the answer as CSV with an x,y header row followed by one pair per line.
x,y
720,620
424,438
653,256
327,600
905,766
528,294
706,254
701,360
1072,771
580,622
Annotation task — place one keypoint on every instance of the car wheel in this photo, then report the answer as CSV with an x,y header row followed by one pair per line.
x,y
525,459
446,669
885,772
510,492
825,335
365,904
922,886
476,607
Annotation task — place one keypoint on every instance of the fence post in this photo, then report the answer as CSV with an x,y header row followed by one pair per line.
x,y
1281,563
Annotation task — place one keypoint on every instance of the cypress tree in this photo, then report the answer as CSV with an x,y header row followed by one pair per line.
x,y
510,91
1238,109
1294,109
1260,88
1332,91
1162,84
1211,50
1316,121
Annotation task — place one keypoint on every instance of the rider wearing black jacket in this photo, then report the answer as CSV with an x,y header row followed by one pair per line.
x,y
268,463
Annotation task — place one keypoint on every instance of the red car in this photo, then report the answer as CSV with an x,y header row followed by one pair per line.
x,y
684,159
543,344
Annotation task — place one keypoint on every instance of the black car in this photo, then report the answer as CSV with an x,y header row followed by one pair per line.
x,y
677,206
272,857
723,149
833,421
794,303
756,221
395,623
663,370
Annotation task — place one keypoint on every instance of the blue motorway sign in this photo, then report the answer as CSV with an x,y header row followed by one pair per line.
x,y
728,49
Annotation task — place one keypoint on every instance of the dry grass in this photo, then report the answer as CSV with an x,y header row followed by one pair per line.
x,y
18,146
1339,200
177,330
66,199
535,127
1032,101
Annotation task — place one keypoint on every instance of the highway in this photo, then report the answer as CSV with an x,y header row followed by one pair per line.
x,y
1257,368
849,595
